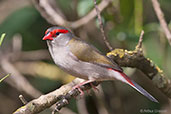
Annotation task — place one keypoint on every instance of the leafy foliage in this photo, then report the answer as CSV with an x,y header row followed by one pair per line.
x,y
84,6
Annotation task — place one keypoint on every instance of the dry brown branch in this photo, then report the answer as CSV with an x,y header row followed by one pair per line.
x,y
102,26
160,16
17,80
48,12
61,96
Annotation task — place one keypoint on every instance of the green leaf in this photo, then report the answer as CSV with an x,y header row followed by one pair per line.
x,y
4,77
18,21
2,38
84,6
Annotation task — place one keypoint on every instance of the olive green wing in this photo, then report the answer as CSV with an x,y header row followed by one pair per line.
x,y
88,53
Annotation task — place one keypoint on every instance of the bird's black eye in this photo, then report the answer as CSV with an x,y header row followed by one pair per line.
x,y
48,32
57,33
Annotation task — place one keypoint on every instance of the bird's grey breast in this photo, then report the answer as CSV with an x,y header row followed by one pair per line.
x,y
63,57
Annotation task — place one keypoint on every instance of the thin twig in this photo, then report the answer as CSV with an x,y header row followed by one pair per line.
x,y
92,14
52,13
102,26
160,16
23,100
139,45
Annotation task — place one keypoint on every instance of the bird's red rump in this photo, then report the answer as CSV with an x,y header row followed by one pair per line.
x,y
127,78
123,75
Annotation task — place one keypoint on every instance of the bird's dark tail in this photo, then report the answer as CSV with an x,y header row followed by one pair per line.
x,y
138,88
124,78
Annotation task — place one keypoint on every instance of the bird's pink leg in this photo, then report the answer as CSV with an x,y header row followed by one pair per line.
x,y
94,87
83,83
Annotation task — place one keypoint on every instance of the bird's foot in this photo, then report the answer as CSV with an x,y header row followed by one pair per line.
x,y
78,86
79,89
94,87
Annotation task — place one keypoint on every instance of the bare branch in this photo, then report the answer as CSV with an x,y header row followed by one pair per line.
x,y
102,26
17,79
47,11
160,16
61,96
92,14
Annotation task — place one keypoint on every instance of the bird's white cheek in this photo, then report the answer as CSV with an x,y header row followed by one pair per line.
x,y
53,41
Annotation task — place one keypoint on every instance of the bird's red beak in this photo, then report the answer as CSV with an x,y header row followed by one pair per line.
x,y
48,37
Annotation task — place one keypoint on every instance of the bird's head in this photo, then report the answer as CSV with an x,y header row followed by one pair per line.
x,y
54,33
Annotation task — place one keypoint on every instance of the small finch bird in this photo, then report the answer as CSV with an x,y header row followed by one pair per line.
x,y
83,60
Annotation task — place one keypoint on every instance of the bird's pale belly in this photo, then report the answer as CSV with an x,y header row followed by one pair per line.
x,y
83,70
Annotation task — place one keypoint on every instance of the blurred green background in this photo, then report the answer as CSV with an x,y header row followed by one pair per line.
x,y
123,22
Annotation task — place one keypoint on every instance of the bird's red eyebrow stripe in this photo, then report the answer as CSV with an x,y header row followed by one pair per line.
x,y
46,31
60,30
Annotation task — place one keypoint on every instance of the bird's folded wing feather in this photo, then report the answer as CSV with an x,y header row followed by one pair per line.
x,y
88,53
